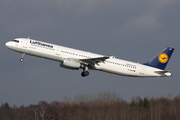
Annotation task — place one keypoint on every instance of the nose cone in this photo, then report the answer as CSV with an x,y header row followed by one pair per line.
x,y
7,44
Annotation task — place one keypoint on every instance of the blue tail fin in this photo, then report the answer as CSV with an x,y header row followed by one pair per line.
x,y
160,61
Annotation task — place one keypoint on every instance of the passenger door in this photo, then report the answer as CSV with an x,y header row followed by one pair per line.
x,y
57,51
142,70
25,43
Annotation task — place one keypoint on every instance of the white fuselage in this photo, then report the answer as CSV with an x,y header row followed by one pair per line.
x,y
59,53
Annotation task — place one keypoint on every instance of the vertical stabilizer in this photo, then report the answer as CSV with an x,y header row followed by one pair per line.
x,y
160,61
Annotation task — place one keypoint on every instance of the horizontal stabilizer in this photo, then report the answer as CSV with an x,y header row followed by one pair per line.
x,y
164,73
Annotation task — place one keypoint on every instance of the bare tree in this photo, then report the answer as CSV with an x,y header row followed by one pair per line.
x,y
104,106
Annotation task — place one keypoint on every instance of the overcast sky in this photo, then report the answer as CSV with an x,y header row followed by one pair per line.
x,y
134,30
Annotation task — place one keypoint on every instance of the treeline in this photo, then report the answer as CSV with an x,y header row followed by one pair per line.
x,y
104,106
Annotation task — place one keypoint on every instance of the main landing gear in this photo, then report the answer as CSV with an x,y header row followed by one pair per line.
x,y
85,72
22,59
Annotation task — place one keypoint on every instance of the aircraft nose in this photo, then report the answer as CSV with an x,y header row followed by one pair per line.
x,y
7,44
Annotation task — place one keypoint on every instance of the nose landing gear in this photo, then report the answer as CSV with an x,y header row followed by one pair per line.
x,y
22,59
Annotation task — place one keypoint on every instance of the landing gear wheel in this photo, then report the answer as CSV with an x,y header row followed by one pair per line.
x,y
21,60
82,74
85,73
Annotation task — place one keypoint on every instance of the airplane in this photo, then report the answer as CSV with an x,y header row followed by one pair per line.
x,y
74,59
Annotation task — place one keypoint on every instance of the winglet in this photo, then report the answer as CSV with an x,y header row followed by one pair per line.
x,y
160,61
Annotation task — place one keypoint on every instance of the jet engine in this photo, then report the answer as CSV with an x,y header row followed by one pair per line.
x,y
70,64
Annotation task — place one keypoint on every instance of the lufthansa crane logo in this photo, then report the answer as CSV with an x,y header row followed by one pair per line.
x,y
163,58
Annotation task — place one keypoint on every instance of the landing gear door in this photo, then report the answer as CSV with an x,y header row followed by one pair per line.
x,y
57,51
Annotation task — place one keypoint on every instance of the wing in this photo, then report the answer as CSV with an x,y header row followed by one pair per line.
x,y
92,61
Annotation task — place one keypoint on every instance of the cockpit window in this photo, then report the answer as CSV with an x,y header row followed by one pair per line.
x,y
16,41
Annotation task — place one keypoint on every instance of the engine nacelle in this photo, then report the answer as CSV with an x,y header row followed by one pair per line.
x,y
70,64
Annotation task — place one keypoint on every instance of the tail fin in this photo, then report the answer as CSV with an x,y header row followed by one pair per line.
x,y
160,61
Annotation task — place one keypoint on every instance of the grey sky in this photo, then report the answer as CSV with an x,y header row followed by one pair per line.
x,y
134,30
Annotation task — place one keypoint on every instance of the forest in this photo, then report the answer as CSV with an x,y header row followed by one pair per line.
x,y
103,106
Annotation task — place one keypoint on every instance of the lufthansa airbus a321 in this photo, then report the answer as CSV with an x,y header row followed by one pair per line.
x,y
76,59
